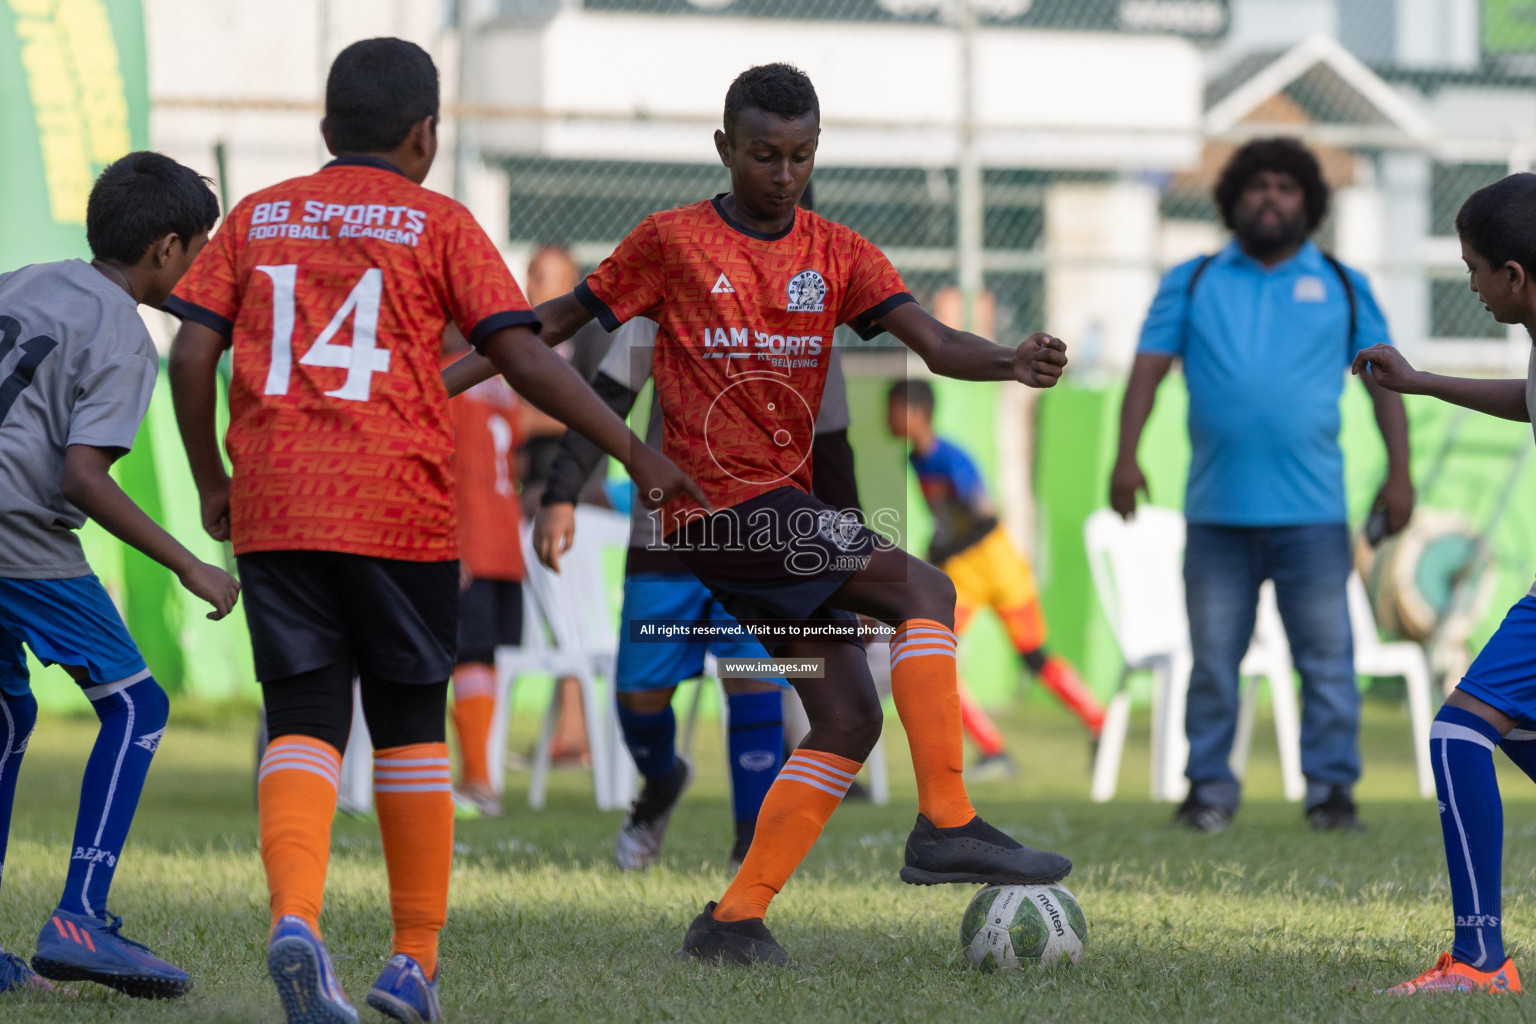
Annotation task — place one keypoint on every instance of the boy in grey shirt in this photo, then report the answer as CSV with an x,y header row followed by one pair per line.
x,y
77,368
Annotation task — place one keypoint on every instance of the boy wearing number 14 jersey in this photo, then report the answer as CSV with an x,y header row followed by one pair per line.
x,y
332,292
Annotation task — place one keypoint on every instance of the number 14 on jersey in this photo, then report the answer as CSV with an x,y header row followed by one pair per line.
x,y
362,359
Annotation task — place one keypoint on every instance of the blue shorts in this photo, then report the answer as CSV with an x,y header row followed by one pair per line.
x,y
1503,675
65,622
656,665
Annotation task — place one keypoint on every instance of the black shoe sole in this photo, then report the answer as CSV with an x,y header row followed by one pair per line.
x,y
393,1008
922,876
138,986
295,970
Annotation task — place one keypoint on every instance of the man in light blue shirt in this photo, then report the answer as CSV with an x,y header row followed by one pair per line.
x,y
1266,330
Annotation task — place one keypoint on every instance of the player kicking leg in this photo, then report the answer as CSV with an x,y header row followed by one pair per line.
x,y
1494,706
741,372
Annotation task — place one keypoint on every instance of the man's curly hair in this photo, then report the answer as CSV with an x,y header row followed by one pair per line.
x,y
1286,156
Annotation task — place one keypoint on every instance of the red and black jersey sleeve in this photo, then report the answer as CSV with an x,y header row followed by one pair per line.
x,y
209,293
874,289
631,282
482,296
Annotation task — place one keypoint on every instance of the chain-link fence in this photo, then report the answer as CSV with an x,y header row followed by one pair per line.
x,y
1098,128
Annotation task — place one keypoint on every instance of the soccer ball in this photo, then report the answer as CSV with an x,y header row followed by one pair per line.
x,y
1008,926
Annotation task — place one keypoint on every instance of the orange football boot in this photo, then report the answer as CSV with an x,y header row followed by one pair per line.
x,y
1451,975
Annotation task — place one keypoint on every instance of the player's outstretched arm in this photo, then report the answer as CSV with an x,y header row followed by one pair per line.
x,y
543,378
88,486
1390,370
1037,362
561,317
194,370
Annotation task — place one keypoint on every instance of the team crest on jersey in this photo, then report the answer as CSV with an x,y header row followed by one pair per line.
x,y
807,292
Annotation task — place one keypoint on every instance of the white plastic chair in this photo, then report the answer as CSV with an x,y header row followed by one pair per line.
x,y
1374,657
354,788
580,613
1269,659
1137,570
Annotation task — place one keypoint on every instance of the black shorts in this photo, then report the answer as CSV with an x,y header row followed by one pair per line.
x,y
773,561
490,616
393,619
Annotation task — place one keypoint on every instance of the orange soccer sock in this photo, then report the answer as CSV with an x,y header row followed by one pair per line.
x,y
413,793
926,691
1061,679
979,725
809,787
296,796
474,708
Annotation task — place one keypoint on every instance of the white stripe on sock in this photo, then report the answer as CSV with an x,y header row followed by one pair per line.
x,y
810,780
117,771
299,766
108,689
1452,731
832,775
1466,851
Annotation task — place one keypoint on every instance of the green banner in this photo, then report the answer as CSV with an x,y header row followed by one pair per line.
x,y
74,97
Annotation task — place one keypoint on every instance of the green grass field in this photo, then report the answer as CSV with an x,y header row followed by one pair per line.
x,y
1264,922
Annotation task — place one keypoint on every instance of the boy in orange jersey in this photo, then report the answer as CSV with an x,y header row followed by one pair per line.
x,y
747,292
490,569
332,293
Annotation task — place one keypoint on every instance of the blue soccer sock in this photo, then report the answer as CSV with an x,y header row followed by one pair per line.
x,y
133,718
1520,746
756,751
1472,823
17,717
651,739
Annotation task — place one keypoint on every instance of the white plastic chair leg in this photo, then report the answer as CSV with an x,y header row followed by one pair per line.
x,y
1419,713
597,741
875,772
1106,763
1242,735
496,743
622,770
538,783
355,793
1283,700
1170,744
695,701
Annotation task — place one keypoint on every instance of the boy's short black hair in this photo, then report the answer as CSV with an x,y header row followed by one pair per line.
x,y
144,196
1498,222
781,89
1285,156
914,394
377,90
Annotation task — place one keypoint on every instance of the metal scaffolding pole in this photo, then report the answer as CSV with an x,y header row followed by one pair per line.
x,y
968,191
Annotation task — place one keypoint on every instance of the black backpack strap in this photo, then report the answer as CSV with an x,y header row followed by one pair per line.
x,y
1189,290
1194,279
1349,294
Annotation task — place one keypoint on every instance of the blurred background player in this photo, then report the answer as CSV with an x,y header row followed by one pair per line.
x,y
987,568
490,567
333,292
77,369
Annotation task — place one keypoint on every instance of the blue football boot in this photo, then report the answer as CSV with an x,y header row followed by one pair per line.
x,y
80,947
404,993
306,982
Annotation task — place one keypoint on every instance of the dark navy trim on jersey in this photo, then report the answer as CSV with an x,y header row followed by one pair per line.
x,y
184,310
735,225
865,324
506,318
597,307
362,160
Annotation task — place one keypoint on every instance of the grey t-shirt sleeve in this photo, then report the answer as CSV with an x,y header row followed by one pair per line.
x,y
833,414
110,403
